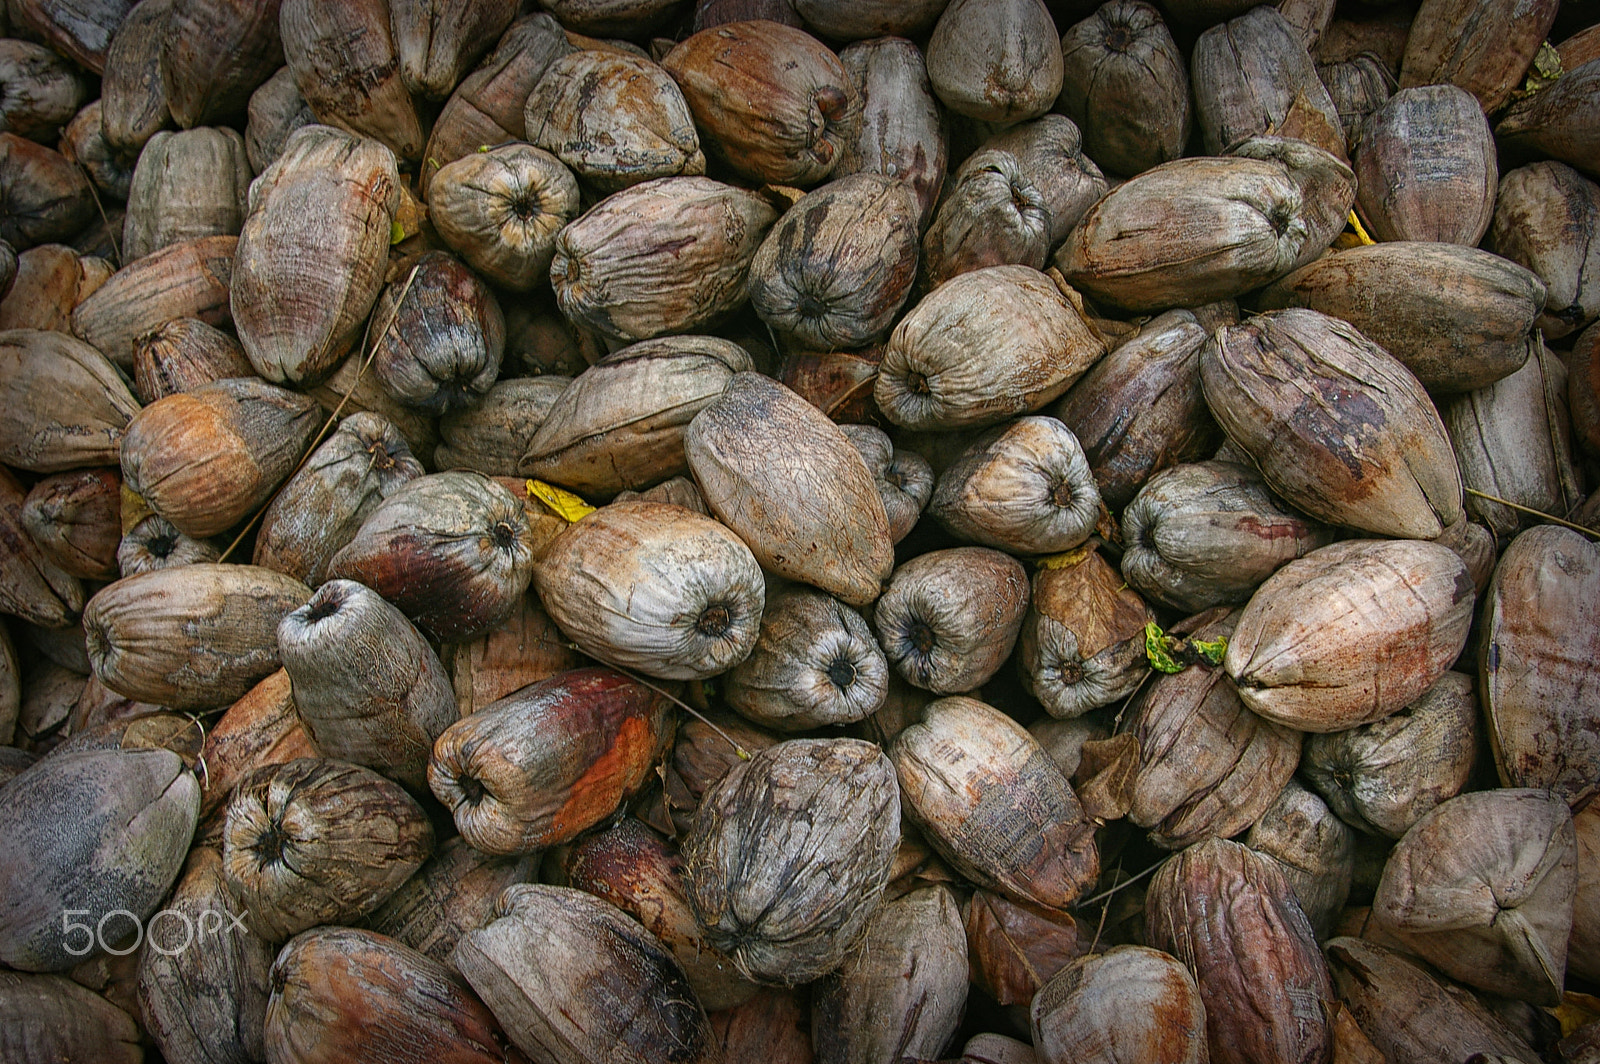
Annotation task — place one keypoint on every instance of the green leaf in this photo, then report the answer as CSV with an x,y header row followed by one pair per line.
x,y
1158,647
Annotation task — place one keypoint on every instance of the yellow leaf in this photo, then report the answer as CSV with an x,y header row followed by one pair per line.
x,y
1361,234
397,233
562,502
1066,559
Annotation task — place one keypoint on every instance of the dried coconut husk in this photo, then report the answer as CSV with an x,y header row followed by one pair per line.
x,y
276,110
69,408
990,215
1207,765
838,266
772,100
49,1018
783,477
664,256
154,543
492,435
1483,48
1315,849
189,279
615,119
195,637
261,728
904,991
325,502
1358,86
437,43
1082,642
208,458
348,69
203,983
1035,331
1547,218
316,841
904,479
1229,915
1253,76
213,55
851,20
342,994
83,143
790,854
454,551
42,91
301,293
993,803
1535,665
133,104
613,18
621,423
1513,440
1382,777
47,199
573,978
500,210
1351,633
368,686
76,519
1583,947
901,130
997,62
1368,448
1015,948
1410,1014
1140,408
1426,168
187,185
487,108
654,587
1049,152
444,337
815,663
1482,888
453,892
1226,225
1456,317
183,354
525,648
48,281
1559,121
1126,85
639,872
949,618
1126,996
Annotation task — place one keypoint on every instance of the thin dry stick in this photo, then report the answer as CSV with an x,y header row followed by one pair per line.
x,y
1105,910
1552,518
333,418
1130,881
111,233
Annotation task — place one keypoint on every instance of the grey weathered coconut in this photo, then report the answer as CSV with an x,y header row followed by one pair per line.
x,y
904,478
347,68
654,587
1336,426
1536,666
837,267
69,407
1351,633
1559,123
1315,849
1482,888
1253,76
1382,777
300,293
1082,641
1208,534
500,210
815,663
904,991
94,832
774,469
901,131
998,62
573,978
492,436
187,185
1023,487
790,855
1547,217
1457,317
1426,168
949,618
621,423
50,1017
1033,330
368,686
443,336
994,804
615,119
1127,996
438,42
